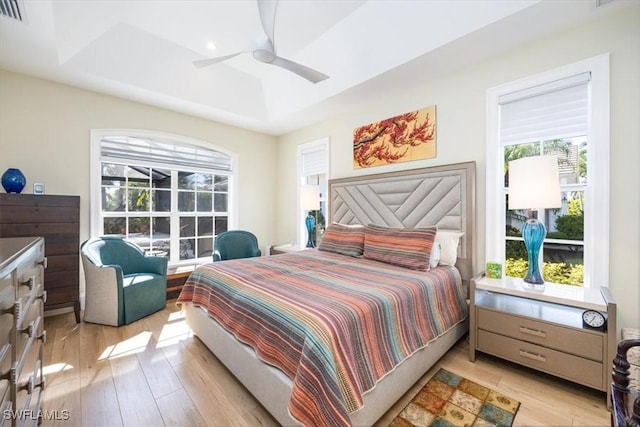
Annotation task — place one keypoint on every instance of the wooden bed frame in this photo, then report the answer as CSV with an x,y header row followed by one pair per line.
x,y
442,196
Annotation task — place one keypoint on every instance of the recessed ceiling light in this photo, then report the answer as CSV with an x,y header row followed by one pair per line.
x,y
211,45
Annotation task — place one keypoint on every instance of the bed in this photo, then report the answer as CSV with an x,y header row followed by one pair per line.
x,y
327,359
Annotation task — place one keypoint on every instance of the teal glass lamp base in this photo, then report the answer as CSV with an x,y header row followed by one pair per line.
x,y
310,222
533,233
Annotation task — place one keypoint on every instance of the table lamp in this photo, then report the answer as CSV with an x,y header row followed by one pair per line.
x,y
310,201
534,183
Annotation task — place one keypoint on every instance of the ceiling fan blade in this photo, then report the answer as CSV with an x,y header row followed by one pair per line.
x,y
305,72
206,62
267,10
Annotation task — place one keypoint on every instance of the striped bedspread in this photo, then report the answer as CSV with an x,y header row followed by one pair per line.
x,y
333,324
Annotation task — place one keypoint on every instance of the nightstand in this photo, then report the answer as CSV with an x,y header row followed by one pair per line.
x,y
286,248
543,330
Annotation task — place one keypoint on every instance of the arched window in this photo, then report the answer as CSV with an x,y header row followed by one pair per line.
x,y
169,194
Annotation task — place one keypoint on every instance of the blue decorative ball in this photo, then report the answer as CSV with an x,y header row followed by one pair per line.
x,y
13,180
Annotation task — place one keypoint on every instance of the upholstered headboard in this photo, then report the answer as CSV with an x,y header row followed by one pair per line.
x,y
442,196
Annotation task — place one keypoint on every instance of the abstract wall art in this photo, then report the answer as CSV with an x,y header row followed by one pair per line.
x,y
409,136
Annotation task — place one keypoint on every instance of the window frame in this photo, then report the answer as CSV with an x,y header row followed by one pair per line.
x,y
596,217
95,177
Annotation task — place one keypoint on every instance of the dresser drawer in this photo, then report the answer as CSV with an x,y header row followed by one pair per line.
x,y
27,341
29,275
5,400
36,209
569,340
28,396
29,286
60,279
574,368
7,291
61,295
7,297
5,357
60,238
7,322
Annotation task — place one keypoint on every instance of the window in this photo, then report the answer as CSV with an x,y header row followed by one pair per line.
x,y
168,194
563,113
313,169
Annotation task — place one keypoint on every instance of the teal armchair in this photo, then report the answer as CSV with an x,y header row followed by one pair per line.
x,y
122,283
235,244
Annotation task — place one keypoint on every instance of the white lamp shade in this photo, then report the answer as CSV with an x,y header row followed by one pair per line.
x,y
534,183
310,197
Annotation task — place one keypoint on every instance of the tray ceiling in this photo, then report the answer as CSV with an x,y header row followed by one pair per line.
x,y
144,50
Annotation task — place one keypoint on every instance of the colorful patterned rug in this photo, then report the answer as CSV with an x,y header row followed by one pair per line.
x,y
451,400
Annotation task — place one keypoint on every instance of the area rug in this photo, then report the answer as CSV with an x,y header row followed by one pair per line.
x,y
451,400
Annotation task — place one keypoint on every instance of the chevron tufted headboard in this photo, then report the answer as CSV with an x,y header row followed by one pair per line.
x,y
443,196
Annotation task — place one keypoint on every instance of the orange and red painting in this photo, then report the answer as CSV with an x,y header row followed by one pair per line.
x,y
403,138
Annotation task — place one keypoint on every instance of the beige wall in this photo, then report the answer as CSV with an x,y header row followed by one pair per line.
x,y
44,131
460,101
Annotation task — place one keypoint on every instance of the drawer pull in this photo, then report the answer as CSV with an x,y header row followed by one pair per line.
x,y
43,337
42,384
21,308
533,356
29,283
534,332
43,262
13,373
43,296
17,309
29,385
19,364
29,329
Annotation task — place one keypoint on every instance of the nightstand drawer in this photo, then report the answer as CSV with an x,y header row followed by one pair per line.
x,y
571,367
581,343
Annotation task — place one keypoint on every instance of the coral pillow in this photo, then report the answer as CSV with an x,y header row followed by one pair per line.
x,y
343,239
405,247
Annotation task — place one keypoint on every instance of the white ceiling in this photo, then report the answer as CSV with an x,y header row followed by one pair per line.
x,y
143,50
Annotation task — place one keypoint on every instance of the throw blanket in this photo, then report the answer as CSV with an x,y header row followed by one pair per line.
x,y
334,324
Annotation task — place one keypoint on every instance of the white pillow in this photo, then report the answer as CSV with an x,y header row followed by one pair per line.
x,y
434,258
449,240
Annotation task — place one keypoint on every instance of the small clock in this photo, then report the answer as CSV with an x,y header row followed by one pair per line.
x,y
594,320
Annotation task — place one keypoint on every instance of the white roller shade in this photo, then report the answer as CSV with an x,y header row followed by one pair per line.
x,y
314,162
555,110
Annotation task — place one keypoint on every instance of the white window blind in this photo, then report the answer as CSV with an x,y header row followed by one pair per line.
x,y
314,161
165,153
555,110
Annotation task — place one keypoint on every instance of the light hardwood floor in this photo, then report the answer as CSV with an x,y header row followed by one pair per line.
x,y
155,372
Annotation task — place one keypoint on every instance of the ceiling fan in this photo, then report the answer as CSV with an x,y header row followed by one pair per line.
x,y
263,48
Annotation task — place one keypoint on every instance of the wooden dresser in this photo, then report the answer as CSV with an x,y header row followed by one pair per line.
x,y
22,336
57,219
